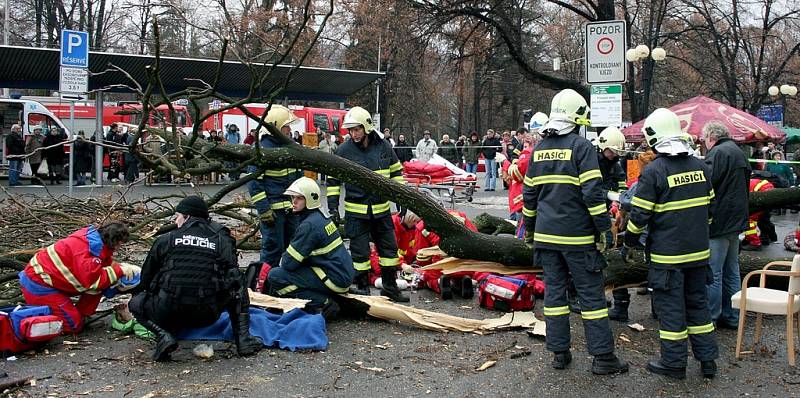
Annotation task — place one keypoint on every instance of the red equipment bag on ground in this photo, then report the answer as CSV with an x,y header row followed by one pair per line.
x,y
22,328
509,293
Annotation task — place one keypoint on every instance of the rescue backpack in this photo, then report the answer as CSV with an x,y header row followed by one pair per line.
x,y
23,328
509,293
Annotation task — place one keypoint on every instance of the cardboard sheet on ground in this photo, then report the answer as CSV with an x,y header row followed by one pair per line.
x,y
380,307
452,265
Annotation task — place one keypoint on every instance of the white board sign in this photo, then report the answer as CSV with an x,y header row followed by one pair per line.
x,y
73,80
605,52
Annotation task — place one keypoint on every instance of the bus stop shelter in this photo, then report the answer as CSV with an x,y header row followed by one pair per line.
x,y
38,68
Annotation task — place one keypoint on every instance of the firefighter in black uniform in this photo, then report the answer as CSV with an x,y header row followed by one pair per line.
x,y
565,203
367,217
316,265
266,193
610,145
189,277
673,200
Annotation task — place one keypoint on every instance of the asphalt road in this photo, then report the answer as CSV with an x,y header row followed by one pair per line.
x,y
414,362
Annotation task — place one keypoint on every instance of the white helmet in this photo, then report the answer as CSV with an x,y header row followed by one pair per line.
x,y
358,116
538,121
611,138
660,126
308,189
567,110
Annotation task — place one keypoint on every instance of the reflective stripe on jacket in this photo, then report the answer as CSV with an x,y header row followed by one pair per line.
x,y
673,200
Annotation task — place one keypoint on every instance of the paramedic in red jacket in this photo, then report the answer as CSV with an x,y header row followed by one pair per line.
x,y
80,265
460,282
405,229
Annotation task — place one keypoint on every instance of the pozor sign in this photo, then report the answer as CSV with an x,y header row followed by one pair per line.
x,y
605,52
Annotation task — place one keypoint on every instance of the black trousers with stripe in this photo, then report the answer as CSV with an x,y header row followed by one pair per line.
x,y
378,230
301,283
680,300
586,269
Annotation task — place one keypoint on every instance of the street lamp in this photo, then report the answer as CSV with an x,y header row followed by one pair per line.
x,y
641,53
783,91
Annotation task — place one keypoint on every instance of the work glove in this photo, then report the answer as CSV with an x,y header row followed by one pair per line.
x,y
632,240
130,271
268,218
603,241
528,238
335,217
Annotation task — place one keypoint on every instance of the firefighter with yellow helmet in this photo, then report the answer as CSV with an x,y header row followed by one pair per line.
x,y
316,266
673,200
367,217
565,211
267,192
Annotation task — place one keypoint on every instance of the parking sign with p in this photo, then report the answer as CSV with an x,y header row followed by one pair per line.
x,y
74,48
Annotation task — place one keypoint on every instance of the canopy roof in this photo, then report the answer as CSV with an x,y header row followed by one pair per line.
x,y
696,112
31,68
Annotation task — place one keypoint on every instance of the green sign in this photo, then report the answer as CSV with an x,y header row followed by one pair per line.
x,y
606,104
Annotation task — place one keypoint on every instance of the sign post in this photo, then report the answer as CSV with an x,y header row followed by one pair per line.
x,y
605,52
74,81
606,104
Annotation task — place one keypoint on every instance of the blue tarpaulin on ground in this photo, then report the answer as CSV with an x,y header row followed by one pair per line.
x,y
294,330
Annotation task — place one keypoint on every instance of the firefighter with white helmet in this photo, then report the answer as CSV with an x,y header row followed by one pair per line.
x,y
538,120
610,145
673,201
367,217
267,192
565,211
316,266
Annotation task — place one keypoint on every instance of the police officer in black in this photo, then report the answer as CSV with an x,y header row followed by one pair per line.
x,y
189,277
673,201
566,212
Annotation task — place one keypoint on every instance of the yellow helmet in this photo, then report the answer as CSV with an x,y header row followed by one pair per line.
x,y
280,116
358,116
660,126
308,189
611,138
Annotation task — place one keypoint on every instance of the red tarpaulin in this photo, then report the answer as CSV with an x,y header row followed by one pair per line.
x,y
696,112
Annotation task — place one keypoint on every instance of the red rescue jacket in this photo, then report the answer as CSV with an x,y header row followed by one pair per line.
x,y
424,238
405,240
77,264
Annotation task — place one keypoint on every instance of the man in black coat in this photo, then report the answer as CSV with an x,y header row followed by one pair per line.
x,y
730,176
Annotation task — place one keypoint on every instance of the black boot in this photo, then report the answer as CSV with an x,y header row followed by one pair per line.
x,y
607,364
390,289
362,284
444,287
240,322
165,342
621,302
660,369
709,369
330,310
465,288
561,360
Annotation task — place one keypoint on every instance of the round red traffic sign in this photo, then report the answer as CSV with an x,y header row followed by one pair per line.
x,y
605,45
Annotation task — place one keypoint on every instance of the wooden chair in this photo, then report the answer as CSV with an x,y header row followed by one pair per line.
x,y
770,301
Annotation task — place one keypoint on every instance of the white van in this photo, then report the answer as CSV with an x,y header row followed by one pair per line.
x,y
31,114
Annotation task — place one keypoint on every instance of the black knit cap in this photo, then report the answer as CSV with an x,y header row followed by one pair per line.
x,y
193,206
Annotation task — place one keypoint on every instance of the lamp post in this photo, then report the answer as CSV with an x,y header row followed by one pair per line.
x,y
783,91
644,71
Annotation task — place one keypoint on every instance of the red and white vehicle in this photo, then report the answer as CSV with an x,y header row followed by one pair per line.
x,y
328,120
86,113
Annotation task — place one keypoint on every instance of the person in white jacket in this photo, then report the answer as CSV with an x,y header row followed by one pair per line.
x,y
426,147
